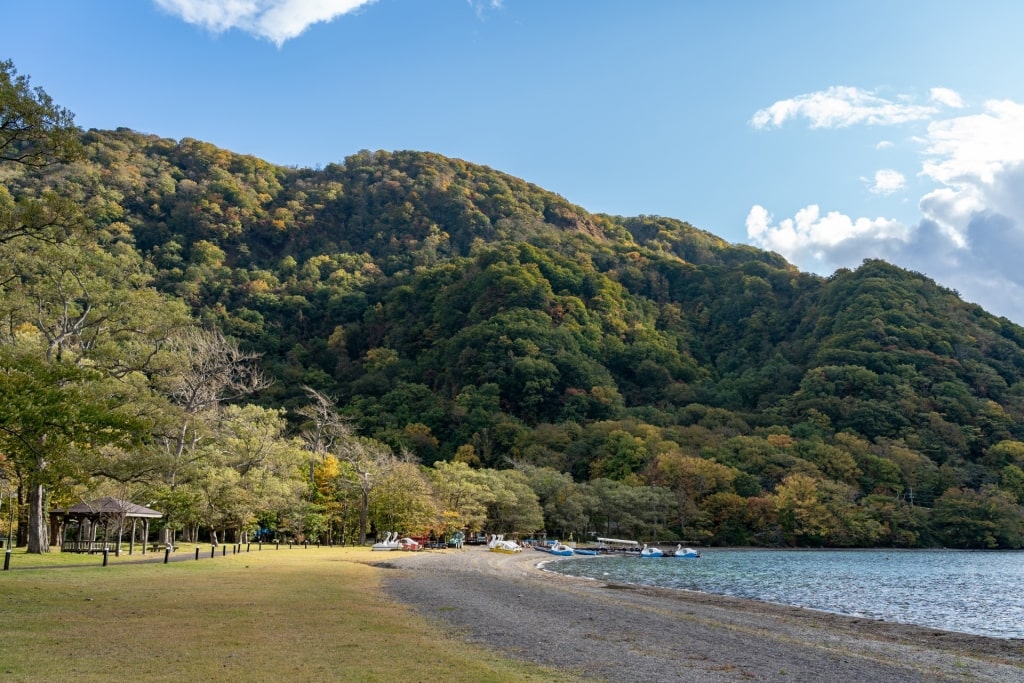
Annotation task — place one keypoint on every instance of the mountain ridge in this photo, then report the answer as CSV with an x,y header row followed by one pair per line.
x,y
463,313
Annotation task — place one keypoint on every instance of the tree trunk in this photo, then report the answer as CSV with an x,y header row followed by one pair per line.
x,y
363,512
38,534
21,540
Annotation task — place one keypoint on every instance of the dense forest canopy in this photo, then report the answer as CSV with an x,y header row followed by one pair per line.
x,y
410,341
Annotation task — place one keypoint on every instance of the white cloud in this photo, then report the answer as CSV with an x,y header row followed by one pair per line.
x,y
976,147
275,20
820,243
971,233
887,181
947,97
838,107
884,144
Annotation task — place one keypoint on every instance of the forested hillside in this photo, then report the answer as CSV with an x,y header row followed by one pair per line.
x,y
637,374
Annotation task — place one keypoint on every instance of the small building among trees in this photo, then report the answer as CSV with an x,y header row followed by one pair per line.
x,y
101,525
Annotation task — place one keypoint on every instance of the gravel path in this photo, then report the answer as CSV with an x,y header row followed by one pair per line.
x,y
623,633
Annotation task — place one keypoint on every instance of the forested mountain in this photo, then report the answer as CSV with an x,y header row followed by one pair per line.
x,y
465,315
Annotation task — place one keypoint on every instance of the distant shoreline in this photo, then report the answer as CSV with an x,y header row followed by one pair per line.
x,y
636,633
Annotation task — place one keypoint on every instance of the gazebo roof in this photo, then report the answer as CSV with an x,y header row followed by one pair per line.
x,y
112,506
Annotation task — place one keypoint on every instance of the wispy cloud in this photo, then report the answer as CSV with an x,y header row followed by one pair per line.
x,y
886,182
480,5
841,106
276,20
947,97
971,232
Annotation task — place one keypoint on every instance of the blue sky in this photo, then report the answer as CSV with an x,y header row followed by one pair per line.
x,y
829,132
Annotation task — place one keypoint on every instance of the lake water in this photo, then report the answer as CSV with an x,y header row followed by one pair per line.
x,y
970,592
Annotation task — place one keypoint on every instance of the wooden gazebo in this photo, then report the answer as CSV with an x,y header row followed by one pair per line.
x,y
109,515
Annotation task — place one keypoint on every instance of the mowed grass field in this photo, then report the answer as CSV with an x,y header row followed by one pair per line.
x,y
301,614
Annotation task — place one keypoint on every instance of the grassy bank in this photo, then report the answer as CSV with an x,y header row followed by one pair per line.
x,y
311,614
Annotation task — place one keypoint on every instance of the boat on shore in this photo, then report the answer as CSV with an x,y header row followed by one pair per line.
x,y
409,544
390,542
560,549
498,544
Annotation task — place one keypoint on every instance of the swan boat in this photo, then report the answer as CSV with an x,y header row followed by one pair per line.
x,y
648,551
560,549
498,544
390,542
679,552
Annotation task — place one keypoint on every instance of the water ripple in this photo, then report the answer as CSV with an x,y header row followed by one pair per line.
x,y
970,592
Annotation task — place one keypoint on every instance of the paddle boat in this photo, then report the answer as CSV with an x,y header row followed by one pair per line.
x,y
390,542
686,552
560,549
647,551
498,544
408,544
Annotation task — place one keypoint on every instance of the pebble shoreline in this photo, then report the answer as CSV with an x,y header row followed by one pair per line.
x,y
614,632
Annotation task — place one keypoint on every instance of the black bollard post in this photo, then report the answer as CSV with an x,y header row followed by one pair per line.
x,y
277,545
167,554
260,546
223,551
197,552
248,547
213,550
106,555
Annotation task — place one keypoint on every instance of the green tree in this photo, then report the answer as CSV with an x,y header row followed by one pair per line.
x,y
725,519
251,470
463,494
34,133
691,480
55,419
1011,480
515,508
803,516
989,518
561,499
405,502
33,130
370,463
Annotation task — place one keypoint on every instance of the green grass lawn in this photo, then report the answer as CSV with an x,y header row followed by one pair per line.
x,y
313,614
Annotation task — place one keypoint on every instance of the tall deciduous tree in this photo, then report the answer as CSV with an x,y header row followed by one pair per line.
x,y
250,470
33,130
371,462
54,419
202,370
463,494
325,427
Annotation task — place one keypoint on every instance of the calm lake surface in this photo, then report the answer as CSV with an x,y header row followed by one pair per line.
x,y
970,592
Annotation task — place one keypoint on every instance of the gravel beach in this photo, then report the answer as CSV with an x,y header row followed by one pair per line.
x,y
616,632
